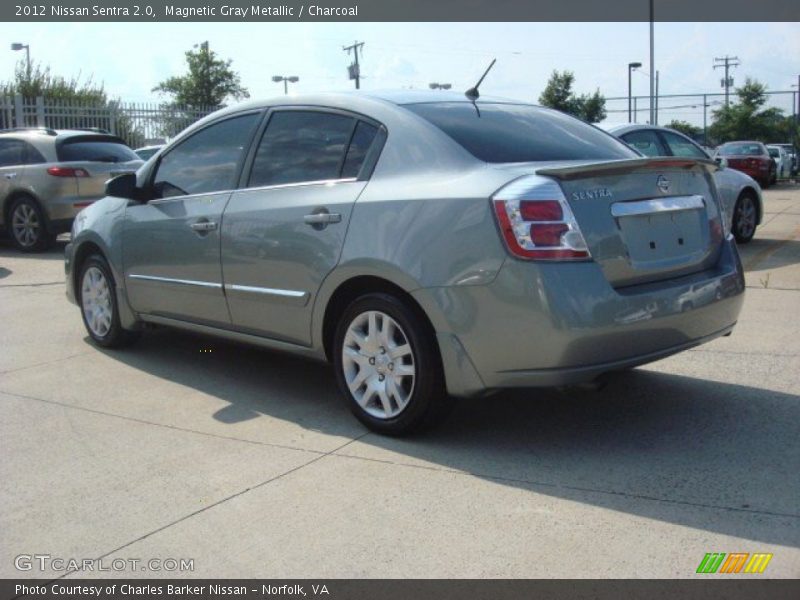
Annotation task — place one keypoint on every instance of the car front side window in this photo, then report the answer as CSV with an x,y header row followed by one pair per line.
x,y
207,161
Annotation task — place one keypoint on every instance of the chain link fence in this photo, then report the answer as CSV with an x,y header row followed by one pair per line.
x,y
138,123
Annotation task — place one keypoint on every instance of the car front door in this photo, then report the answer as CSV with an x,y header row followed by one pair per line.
x,y
283,232
171,244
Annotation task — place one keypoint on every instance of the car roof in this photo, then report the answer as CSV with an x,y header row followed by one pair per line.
x,y
621,129
363,101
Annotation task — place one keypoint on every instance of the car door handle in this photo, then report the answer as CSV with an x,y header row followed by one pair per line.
x,y
10,175
322,218
204,226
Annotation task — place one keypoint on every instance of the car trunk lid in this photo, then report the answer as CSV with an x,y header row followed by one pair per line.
x,y
645,220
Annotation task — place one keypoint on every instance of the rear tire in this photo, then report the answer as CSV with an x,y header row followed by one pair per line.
x,y
27,226
98,301
388,366
745,215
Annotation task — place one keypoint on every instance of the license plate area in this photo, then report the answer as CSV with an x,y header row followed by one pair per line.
x,y
663,233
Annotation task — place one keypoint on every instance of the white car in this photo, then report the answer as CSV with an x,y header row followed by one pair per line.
x,y
783,160
740,193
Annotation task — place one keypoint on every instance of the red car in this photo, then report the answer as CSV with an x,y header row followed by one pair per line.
x,y
751,158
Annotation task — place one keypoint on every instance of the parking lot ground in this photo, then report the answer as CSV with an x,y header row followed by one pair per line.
x,y
247,461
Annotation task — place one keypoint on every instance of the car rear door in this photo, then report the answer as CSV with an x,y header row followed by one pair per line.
x,y
12,165
171,244
283,232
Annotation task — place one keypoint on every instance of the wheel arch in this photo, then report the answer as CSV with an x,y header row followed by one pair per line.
x,y
353,287
82,252
749,189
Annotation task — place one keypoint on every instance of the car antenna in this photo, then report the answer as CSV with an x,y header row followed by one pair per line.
x,y
472,93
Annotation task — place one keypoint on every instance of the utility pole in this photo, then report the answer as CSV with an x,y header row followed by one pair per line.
x,y
354,69
705,128
655,122
727,62
652,59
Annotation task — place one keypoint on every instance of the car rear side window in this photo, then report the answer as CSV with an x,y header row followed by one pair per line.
x,y
363,138
207,161
682,147
507,133
12,152
301,146
95,149
646,142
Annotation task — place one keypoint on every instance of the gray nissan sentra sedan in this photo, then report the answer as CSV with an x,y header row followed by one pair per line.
x,y
427,245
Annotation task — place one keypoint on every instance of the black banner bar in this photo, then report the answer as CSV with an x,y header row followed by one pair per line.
x,y
149,11
707,587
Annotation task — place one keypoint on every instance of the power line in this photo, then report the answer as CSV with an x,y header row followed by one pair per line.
x,y
727,62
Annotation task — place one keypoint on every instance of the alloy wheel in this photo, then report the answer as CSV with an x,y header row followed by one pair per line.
x,y
745,217
26,225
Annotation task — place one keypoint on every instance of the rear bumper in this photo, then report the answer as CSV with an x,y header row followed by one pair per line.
x,y
63,210
759,174
544,324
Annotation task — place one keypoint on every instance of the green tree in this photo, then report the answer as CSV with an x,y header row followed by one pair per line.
x,y
58,90
42,82
685,127
747,119
209,82
558,94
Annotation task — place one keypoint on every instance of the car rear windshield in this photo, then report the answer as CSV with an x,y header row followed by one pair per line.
x,y
507,133
95,148
741,150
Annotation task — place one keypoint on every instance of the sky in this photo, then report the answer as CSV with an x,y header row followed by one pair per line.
x,y
132,58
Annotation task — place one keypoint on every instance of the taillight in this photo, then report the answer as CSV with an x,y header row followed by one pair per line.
x,y
67,172
536,221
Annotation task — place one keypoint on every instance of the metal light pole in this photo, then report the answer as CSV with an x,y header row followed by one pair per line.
x,y
440,86
631,67
16,46
286,81
652,61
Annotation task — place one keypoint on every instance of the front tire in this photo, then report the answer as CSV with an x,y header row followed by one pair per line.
x,y
745,215
28,226
388,366
99,308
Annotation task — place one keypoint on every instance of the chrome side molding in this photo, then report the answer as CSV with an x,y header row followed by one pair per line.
x,y
232,287
206,284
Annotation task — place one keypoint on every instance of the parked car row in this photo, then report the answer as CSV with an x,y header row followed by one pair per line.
x,y
48,176
427,244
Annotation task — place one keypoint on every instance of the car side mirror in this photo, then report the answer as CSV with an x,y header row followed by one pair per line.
x,y
721,162
122,186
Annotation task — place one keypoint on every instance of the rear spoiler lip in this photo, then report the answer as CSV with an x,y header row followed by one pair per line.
x,y
618,167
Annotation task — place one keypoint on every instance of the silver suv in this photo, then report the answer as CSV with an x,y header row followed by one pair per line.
x,y
428,245
48,176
